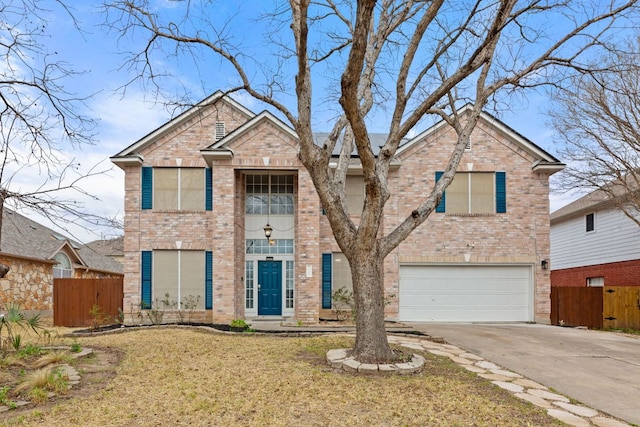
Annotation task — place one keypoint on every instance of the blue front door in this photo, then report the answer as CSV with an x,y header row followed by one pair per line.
x,y
269,288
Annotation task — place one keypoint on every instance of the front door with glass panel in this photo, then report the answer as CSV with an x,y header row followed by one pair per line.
x,y
269,288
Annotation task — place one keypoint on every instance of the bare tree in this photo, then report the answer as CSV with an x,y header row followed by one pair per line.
x,y
39,118
409,59
597,117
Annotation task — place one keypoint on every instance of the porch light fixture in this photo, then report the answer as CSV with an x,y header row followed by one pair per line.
x,y
267,231
544,264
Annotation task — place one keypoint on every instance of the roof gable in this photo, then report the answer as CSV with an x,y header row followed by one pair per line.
x,y
131,154
224,147
254,122
543,159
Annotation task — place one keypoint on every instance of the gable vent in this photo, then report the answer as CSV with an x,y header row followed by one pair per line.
x,y
219,131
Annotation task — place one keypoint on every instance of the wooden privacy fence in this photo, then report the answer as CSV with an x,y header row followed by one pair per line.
x,y
611,307
73,300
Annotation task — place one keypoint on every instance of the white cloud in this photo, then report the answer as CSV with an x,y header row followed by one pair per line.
x,y
121,123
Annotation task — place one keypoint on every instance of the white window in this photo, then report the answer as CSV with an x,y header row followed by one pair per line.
x,y
289,284
263,246
249,278
178,275
595,282
471,193
179,189
341,272
269,194
354,192
63,268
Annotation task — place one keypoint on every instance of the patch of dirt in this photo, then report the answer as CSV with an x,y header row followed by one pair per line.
x,y
96,370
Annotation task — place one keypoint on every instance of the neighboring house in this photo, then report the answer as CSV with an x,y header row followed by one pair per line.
x,y
201,189
593,243
112,248
37,255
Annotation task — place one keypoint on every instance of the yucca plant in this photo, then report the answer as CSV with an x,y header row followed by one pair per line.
x,y
13,319
16,342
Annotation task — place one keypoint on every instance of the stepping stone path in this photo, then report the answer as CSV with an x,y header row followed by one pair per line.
x,y
73,377
557,406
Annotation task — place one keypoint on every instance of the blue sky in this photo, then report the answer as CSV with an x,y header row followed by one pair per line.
x,y
125,116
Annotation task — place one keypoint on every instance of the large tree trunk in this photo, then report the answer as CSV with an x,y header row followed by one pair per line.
x,y
368,287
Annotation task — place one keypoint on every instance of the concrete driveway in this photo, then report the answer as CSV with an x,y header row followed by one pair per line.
x,y
599,369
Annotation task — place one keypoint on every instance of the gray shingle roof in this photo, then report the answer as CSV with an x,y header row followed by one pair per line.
x,y
96,261
26,238
109,247
585,203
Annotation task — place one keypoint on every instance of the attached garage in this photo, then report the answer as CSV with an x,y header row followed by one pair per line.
x,y
466,293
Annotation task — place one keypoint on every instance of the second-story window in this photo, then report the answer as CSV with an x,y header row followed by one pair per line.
x,y
474,193
590,220
179,189
269,195
187,189
354,192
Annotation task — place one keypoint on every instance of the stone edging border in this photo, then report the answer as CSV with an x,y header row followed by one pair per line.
x,y
338,359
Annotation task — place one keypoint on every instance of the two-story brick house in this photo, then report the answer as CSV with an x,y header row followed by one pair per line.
x,y
201,190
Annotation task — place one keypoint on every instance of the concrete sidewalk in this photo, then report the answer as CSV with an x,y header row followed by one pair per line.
x,y
599,369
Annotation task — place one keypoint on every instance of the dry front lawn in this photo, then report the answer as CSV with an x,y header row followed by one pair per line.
x,y
185,377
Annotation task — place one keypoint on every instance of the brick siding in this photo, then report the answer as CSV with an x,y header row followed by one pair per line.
x,y
624,273
520,236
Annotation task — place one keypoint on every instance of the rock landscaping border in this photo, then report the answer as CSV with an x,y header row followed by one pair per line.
x,y
339,359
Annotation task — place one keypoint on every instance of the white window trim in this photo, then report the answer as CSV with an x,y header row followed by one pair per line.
x,y
286,312
62,271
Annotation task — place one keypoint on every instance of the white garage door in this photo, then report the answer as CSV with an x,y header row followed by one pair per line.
x,y
466,293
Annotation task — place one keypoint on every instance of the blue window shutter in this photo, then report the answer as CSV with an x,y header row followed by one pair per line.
x,y
326,280
208,197
147,188
147,258
441,206
501,192
208,280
